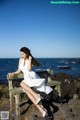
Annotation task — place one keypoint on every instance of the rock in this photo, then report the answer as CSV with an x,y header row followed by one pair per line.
x,y
78,92
78,78
77,84
34,114
64,113
69,91
32,111
74,105
61,76
76,118
75,96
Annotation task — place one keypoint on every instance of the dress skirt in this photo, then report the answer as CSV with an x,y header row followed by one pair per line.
x,y
33,80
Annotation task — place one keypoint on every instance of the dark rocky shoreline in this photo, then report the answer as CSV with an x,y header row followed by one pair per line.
x,y
66,108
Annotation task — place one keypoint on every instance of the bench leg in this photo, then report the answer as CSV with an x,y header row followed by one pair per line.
x,y
58,88
11,102
17,106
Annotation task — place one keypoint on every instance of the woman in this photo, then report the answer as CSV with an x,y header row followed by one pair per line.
x,y
31,79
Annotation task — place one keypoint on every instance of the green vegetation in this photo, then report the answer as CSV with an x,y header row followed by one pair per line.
x,y
4,91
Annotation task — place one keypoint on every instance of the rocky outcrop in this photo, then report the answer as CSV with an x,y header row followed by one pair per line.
x,y
67,109
63,113
74,105
69,85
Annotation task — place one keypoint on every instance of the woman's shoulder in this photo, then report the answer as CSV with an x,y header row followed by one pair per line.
x,y
20,60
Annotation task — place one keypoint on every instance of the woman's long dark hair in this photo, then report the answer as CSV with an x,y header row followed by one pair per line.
x,y
34,62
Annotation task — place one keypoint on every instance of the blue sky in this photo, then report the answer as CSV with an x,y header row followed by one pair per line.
x,y
48,30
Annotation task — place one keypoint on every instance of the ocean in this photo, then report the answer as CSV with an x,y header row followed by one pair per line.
x,y
66,65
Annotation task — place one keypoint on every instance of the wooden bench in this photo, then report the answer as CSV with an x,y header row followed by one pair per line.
x,y
14,95
14,92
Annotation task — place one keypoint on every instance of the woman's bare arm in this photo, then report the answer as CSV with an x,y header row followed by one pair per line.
x,y
29,63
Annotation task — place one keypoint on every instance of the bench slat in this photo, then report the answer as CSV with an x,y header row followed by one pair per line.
x,y
53,83
16,90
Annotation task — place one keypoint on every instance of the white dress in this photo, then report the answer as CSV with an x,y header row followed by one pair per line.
x,y
33,80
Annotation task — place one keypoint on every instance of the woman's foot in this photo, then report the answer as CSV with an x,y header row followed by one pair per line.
x,y
39,98
44,113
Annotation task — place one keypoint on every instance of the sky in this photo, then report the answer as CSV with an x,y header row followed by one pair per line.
x,y
48,30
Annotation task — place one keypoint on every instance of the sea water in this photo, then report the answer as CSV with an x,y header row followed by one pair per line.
x,y
8,65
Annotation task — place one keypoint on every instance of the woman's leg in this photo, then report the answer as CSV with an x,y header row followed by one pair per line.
x,y
27,88
32,98
40,107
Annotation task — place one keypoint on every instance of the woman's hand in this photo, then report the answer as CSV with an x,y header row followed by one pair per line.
x,y
30,58
11,75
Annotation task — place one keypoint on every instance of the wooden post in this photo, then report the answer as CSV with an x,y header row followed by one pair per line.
x,y
59,90
17,106
49,79
10,94
50,71
11,101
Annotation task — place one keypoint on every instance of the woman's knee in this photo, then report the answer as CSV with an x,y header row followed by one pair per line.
x,y
21,83
23,87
